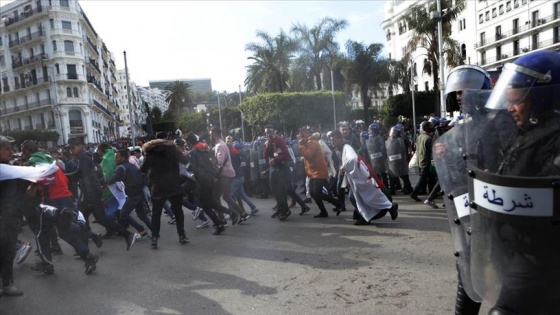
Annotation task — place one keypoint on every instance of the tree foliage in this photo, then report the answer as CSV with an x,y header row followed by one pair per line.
x,y
289,111
181,96
364,70
316,46
156,115
425,37
270,70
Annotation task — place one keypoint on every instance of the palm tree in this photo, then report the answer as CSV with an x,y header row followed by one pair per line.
x,y
365,70
270,71
425,36
180,96
317,45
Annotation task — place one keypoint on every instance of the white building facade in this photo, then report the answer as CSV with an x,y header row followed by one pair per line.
x,y
56,72
489,33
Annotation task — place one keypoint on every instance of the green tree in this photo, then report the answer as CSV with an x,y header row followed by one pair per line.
x,y
316,46
364,71
181,96
270,70
156,114
425,37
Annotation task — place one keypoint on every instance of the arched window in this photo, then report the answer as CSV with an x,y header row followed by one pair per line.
x,y
75,90
68,92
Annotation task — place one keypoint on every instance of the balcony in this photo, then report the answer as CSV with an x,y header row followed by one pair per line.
x,y
91,44
24,107
72,76
28,15
530,25
30,39
31,61
506,56
94,64
91,79
102,108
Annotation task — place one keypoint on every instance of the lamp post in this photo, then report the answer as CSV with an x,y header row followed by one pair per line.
x,y
56,107
128,96
219,111
333,100
412,92
439,17
242,127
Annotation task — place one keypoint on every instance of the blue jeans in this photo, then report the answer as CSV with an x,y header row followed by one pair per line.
x,y
131,203
237,190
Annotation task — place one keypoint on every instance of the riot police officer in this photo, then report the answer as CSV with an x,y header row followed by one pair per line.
x,y
377,151
515,219
468,87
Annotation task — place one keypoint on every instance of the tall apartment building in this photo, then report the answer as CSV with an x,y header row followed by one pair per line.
x,y
56,71
155,98
132,116
489,32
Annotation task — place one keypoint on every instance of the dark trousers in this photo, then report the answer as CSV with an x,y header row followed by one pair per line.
x,y
224,190
316,191
395,182
426,177
292,191
279,177
340,192
208,202
9,228
434,192
135,203
176,207
93,205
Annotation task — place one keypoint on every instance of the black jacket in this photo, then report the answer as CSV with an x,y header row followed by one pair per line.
x,y
535,152
162,166
131,177
90,186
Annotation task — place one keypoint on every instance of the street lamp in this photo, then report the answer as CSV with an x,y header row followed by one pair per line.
x,y
219,111
56,108
333,100
242,128
412,92
439,17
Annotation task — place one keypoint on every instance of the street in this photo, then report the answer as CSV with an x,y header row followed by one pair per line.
x,y
302,266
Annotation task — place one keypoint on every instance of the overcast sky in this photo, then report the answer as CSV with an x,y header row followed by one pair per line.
x,y
167,40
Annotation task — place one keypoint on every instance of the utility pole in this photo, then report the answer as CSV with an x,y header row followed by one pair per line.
x,y
129,107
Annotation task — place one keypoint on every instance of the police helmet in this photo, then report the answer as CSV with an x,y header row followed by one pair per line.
x,y
535,75
375,126
467,77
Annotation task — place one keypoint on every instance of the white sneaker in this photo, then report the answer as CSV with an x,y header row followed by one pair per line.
x,y
23,252
196,213
203,225
431,204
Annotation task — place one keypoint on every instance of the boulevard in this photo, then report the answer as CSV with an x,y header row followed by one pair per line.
x,y
302,266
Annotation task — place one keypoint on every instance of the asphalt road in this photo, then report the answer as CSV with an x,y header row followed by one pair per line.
x,y
301,266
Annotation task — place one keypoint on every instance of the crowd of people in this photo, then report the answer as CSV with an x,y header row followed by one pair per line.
x,y
514,133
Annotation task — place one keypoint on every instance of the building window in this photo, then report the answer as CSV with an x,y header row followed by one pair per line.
x,y
501,9
483,58
535,16
68,92
72,74
66,25
487,15
69,46
535,41
75,91
64,3
557,10
480,19
494,13
524,2
464,51
482,39
54,45
516,48
498,32
51,22
515,26
2,61
508,6
515,4
75,117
